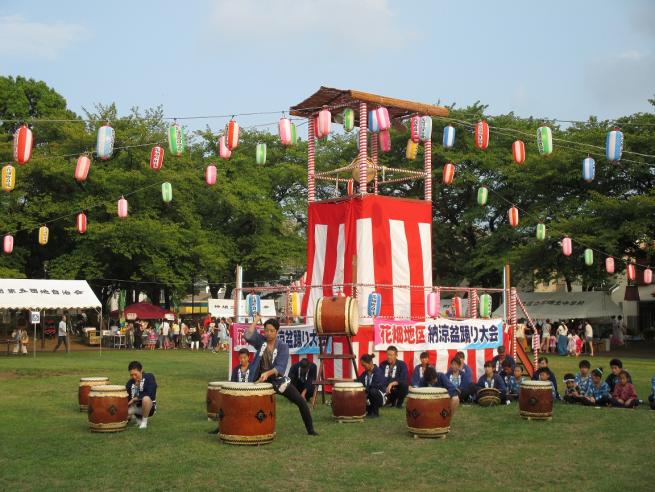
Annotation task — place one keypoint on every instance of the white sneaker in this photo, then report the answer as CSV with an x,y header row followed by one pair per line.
x,y
143,424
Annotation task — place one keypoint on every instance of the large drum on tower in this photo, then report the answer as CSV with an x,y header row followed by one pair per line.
x,y
247,413
336,316
536,400
348,402
428,412
213,399
85,387
108,408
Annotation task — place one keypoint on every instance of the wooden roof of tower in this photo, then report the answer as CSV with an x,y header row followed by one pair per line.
x,y
349,98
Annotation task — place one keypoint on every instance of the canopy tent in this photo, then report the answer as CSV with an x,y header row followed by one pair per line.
x,y
145,310
566,305
46,294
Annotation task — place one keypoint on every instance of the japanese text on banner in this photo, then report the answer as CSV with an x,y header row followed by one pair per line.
x,y
301,339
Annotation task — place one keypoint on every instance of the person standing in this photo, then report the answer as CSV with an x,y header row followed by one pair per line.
x,y
589,337
163,337
562,338
62,334
175,329
545,336
21,339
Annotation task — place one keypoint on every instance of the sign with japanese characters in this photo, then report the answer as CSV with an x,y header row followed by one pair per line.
x,y
438,334
224,308
38,294
301,339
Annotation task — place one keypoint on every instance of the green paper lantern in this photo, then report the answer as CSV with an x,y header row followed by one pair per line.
x,y
294,134
485,306
260,153
166,192
348,117
541,231
588,257
483,194
545,140
176,142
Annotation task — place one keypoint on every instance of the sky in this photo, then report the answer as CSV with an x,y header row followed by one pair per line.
x,y
559,59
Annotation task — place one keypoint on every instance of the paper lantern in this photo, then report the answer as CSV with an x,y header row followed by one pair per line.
x,y
425,129
8,178
81,223
631,271
614,145
609,264
448,173
284,131
414,128
541,231
648,276
8,244
156,157
232,135
223,151
588,169
411,150
294,134
373,123
588,256
210,175
434,304
384,139
348,117
484,306
481,135
384,122
448,137
253,304
260,153
122,207
567,247
294,304
82,168
44,234
105,142
518,151
324,122
513,215
319,130
483,194
166,192
374,304
22,144
545,140
176,141
456,307
350,187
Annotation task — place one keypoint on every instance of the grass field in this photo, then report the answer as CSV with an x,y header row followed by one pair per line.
x,y
45,443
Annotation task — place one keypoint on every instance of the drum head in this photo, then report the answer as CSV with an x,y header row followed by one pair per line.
x,y
352,315
216,384
108,388
93,379
536,384
429,391
348,385
317,316
247,388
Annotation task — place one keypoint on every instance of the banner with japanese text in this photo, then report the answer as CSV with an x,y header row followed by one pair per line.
x,y
301,339
438,334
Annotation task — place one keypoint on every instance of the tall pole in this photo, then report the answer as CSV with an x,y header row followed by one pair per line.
x,y
311,152
374,157
363,151
427,168
237,294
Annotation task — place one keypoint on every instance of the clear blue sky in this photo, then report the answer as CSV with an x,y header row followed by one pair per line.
x,y
562,59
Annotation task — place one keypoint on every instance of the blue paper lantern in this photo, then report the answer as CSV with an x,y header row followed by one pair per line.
x,y
253,304
448,137
614,145
373,123
588,169
374,304
105,142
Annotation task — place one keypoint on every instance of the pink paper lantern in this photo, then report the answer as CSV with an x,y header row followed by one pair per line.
x,y
82,168
434,304
223,151
631,272
567,246
513,215
81,223
8,244
384,139
324,120
609,265
648,276
384,122
210,175
122,207
284,131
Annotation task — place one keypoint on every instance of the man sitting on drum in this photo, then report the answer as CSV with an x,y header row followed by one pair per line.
x,y
500,358
303,375
270,364
434,379
396,375
419,371
491,379
461,380
142,394
375,383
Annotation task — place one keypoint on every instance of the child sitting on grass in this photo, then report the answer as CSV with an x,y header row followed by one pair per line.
x,y
544,375
624,395
583,378
513,379
572,394
598,393
613,379
543,366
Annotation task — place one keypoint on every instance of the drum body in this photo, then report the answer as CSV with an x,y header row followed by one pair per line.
x,y
108,408
536,400
213,399
85,387
348,402
428,412
488,397
247,413
337,315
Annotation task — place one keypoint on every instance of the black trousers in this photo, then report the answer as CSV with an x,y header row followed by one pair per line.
x,y
374,401
398,394
573,399
651,399
618,404
302,386
467,393
291,393
601,402
61,339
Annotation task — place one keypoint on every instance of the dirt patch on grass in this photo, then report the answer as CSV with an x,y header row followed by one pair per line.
x,y
7,375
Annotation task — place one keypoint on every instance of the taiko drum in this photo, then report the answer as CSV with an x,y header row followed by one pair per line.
x,y
337,315
428,412
246,414
108,408
348,402
85,387
536,400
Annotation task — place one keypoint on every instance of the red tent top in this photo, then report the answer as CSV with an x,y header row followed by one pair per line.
x,y
144,310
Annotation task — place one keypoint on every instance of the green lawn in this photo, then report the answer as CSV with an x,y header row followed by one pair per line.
x,y
45,443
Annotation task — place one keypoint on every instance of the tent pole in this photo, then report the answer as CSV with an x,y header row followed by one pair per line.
x,y
100,331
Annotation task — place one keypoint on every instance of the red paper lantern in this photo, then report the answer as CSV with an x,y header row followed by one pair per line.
x,y
122,207
567,246
513,216
81,222
82,168
22,144
8,243
648,276
482,135
415,128
448,173
351,187
210,175
518,151
456,307
631,271
434,304
232,135
156,158
609,265
384,138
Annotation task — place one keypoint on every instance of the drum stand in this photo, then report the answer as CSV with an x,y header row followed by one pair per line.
x,y
325,343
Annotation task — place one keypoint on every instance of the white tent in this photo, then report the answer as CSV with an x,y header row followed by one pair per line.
x,y
566,305
46,294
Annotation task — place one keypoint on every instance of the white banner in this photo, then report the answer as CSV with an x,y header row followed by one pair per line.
x,y
224,308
